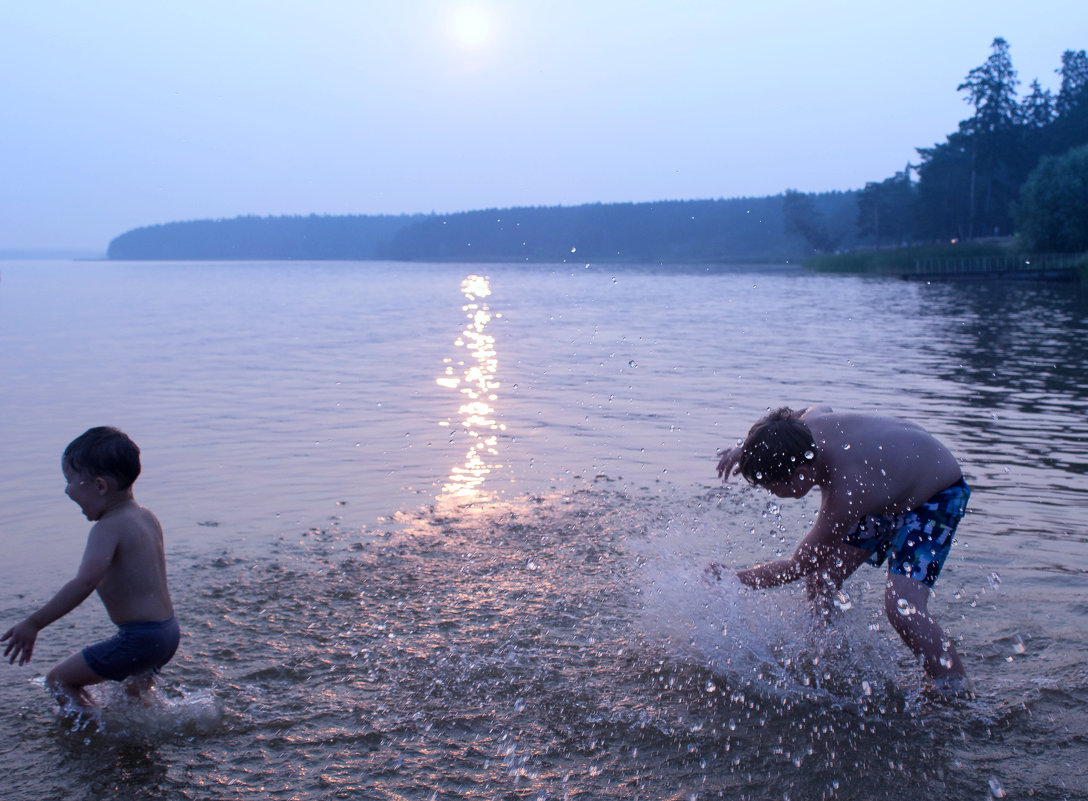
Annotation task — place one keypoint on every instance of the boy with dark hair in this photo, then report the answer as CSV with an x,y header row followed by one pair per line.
x,y
124,560
888,490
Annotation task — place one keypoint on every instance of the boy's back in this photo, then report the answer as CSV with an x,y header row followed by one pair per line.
x,y
878,465
134,587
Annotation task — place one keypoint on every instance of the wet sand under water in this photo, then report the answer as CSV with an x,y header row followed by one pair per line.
x,y
562,646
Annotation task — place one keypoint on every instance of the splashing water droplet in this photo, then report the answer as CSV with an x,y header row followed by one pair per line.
x,y
996,788
711,686
632,363
904,607
574,250
810,455
995,580
846,447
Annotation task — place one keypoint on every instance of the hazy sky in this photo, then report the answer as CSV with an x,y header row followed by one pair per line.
x,y
118,114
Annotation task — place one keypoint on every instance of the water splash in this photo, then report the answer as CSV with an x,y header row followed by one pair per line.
x,y
771,642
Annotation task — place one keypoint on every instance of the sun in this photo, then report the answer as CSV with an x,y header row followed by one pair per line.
x,y
471,26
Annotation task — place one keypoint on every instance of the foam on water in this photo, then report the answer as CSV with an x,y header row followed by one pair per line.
x,y
158,716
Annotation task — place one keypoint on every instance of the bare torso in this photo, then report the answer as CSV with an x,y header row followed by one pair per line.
x,y
877,465
134,587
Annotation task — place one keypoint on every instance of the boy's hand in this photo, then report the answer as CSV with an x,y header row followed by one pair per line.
x,y
728,462
21,645
714,571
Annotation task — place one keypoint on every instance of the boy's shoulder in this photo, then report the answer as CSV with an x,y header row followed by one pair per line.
x,y
129,519
856,426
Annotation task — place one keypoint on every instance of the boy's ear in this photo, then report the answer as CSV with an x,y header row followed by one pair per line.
x,y
101,485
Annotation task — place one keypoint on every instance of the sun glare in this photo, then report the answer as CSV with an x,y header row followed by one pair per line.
x,y
471,26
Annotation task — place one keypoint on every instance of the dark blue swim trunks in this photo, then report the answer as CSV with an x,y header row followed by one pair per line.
x,y
917,542
136,648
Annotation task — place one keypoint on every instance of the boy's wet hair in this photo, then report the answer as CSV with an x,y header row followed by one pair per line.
x,y
104,451
776,446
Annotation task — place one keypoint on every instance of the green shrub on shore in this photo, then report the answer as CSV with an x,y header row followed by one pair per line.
x,y
905,260
894,261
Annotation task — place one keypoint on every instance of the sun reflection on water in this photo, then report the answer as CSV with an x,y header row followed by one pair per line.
x,y
475,378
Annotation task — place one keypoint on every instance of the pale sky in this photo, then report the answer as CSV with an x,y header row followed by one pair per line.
x,y
123,113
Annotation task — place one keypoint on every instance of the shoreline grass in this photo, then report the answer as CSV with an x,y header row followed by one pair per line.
x,y
903,260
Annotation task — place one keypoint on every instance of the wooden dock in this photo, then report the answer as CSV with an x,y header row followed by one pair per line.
x,y
1049,267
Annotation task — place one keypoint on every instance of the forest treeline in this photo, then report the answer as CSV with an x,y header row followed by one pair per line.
x,y
733,230
1015,166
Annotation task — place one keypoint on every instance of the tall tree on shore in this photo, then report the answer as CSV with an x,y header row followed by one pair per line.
x,y
1074,75
991,90
886,209
993,142
1070,126
1037,109
966,185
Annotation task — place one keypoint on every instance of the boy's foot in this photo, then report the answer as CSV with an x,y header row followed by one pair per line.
x,y
950,687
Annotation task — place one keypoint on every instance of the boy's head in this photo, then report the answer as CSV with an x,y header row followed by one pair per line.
x,y
104,451
776,446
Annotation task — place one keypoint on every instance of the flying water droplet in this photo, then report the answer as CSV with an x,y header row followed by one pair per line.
x,y
995,580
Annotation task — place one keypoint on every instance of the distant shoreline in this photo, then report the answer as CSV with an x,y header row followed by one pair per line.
x,y
33,254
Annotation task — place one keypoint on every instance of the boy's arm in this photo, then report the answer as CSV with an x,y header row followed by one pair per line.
x,y
819,549
97,557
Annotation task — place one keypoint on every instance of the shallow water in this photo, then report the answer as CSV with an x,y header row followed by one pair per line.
x,y
438,532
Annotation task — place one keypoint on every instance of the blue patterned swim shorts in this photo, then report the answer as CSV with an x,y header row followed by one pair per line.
x,y
917,542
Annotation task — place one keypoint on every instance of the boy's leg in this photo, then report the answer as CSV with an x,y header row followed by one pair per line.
x,y
905,603
139,684
69,678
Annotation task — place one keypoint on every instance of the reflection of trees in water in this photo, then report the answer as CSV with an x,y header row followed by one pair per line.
x,y
1022,350
1014,340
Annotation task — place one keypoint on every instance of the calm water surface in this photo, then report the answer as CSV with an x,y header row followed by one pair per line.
x,y
436,531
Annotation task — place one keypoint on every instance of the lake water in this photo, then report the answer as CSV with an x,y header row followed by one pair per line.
x,y
436,531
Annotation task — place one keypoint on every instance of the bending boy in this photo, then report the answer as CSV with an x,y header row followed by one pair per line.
x,y
888,490
124,560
